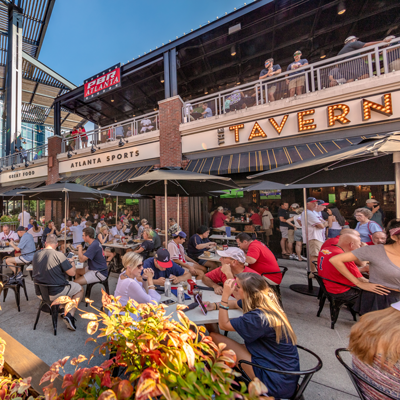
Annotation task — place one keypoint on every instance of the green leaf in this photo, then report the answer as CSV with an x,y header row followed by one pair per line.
x,y
191,377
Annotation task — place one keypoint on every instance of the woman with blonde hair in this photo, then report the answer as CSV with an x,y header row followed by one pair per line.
x,y
269,339
128,287
375,346
147,245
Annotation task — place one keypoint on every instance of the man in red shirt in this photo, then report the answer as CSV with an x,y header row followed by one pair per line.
x,y
255,217
335,240
219,218
346,243
233,261
260,258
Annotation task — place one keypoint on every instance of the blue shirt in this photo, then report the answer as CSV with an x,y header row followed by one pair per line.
x,y
194,241
27,247
260,340
175,270
265,70
365,230
301,62
30,226
208,112
96,259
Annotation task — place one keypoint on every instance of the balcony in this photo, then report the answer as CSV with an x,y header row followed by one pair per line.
x,y
132,131
280,91
25,158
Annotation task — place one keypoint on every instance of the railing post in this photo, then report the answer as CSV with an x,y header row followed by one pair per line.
x,y
385,61
370,70
377,62
319,78
306,79
261,93
312,79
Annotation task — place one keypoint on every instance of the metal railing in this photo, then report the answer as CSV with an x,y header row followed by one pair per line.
x,y
111,133
357,65
24,156
13,225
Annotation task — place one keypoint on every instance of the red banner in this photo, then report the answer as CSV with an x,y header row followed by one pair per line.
x,y
103,82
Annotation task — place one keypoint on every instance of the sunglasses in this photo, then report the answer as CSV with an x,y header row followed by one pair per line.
x,y
139,266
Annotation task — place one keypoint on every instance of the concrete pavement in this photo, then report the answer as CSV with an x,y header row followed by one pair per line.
x,y
314,333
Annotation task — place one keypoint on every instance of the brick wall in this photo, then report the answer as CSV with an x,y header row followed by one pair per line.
x,y
53,210
171,156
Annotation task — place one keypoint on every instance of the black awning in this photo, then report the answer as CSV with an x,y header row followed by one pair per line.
x,y
266,159
107,178
32,185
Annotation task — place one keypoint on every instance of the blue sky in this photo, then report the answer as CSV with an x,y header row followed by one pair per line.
x,y
87,36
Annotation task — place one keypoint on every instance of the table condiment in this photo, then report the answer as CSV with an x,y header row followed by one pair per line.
x,y
180,294
167,288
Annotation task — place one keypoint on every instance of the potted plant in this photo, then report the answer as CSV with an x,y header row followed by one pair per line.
x,y
163,358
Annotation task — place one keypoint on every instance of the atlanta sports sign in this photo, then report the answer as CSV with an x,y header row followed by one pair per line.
x,y
103,82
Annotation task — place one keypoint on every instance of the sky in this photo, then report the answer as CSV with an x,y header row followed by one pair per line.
x,y
85,37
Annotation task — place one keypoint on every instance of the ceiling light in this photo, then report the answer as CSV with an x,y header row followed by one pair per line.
x,y
238,83
322,54
162,79
134,115
341,8
112,98
155,109
233,50
205,91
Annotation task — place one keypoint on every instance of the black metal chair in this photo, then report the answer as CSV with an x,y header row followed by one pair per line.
x,y
45,305
334,304
276,288
357,378
301,387
103,282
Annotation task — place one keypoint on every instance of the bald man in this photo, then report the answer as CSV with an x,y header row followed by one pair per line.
x,y
348,241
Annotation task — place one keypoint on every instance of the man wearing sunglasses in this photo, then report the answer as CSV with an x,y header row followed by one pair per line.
x,y
269,70
297,79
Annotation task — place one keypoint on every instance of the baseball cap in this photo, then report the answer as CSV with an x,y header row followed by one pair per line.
x,y
372,201
163,258
295,205
297,52
350,38
180,234
269,60
233,252
322,203
20,229
311,200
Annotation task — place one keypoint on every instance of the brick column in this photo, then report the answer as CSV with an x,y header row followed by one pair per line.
x,y
54,148
171,156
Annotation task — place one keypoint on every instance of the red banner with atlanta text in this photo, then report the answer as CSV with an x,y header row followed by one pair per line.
x,y
103,82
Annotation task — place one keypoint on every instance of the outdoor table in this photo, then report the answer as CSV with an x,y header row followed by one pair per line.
x,y
122,246
8,249
221,237
213,257
196,315
61,238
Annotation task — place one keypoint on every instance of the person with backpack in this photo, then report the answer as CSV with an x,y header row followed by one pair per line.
x,y
365,226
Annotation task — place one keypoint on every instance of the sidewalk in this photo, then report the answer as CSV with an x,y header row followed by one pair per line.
x,y
314,333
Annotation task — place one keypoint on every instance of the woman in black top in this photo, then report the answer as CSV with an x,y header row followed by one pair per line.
x,y
147,246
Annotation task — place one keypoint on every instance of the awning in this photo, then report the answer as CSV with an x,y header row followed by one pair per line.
x,y
32,185
265,160
107,178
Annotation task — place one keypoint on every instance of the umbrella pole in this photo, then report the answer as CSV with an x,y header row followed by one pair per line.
x,y
65,233
397,183
308,289
166,208
177,218
22,211
116,212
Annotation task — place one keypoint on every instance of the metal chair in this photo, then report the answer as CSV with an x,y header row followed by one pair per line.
x,y
357,378
45,305
307,374
276,288
103,282
334,303
14,286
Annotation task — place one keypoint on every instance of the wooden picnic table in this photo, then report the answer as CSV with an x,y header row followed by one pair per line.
x,y
213,257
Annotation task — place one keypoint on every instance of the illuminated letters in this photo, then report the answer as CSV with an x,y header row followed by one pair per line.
x,y
386,109
257,132
277,127
332,118
305,124
236,129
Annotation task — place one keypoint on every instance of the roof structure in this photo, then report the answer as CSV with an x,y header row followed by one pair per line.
x,y
40,84
257,31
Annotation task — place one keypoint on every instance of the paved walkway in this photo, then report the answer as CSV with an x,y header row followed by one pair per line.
x,y
330,383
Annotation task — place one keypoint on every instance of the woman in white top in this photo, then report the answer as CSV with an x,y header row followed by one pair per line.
x,y
103,237
128,287
335,221
36,231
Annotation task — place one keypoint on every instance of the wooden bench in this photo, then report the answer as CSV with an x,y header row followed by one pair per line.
x,y
22,363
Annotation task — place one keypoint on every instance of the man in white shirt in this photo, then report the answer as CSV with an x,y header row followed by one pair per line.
x,y
316,230
240,209
77,231
83,222
267,223
7,234
177,254
24,219
118,231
